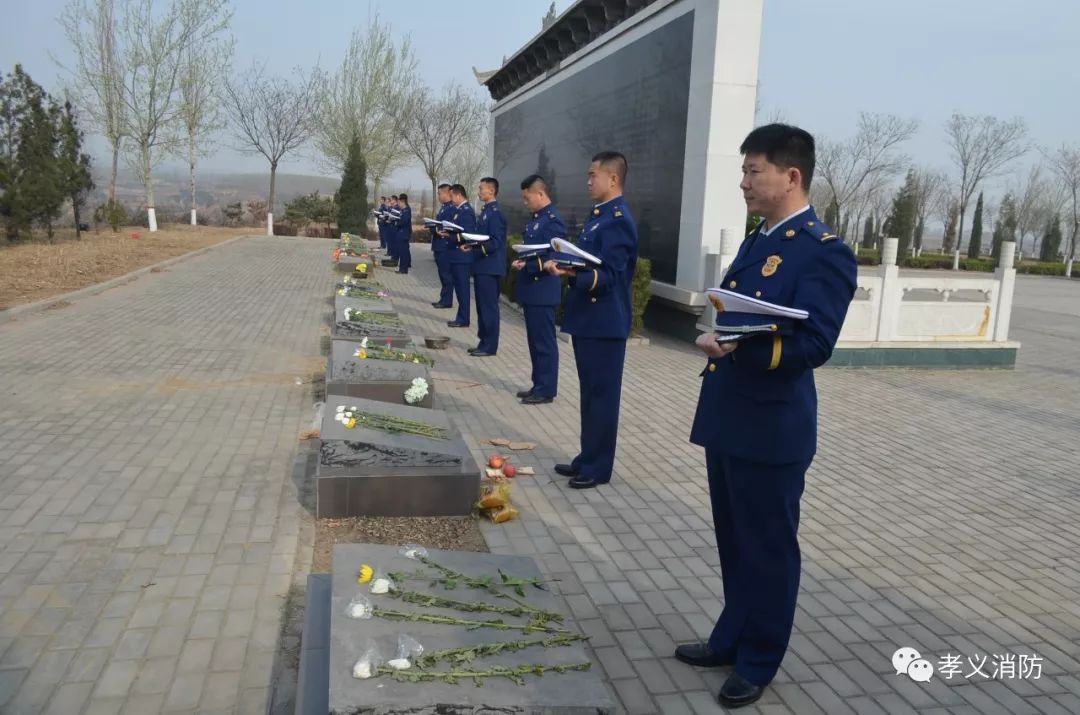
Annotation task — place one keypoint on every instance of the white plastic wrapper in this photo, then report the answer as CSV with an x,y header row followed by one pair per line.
x,y
369,661
360,608
413,551
382,583
408,648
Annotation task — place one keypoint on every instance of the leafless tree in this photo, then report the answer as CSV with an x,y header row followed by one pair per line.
x,y
1065,163
375,88
468,162
205,65
441,123
95,80
154,45
272,116
928,187
1030,197
981,148
852,169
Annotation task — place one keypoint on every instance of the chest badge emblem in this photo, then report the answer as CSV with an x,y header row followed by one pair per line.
x,y
771,264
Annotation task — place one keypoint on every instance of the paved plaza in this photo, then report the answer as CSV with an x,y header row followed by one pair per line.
x,y
149,521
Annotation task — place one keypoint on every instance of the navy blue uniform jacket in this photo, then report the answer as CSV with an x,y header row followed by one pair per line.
x,y
465,217
535,286
598,303
490,256
759,402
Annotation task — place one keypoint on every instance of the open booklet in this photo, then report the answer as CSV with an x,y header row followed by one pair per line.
x,y
739,316
726,301
567,254
530,248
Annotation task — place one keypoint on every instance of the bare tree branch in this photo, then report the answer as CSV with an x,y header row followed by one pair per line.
x,y
981,148
1065,163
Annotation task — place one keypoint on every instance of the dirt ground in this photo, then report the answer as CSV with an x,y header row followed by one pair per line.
x,y
38,269
454,533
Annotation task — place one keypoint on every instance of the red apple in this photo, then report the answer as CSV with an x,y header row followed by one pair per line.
x,y
510,470
496,461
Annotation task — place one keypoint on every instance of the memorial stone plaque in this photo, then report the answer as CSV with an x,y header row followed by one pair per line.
x,y
368,471
567,693
367,305
379,379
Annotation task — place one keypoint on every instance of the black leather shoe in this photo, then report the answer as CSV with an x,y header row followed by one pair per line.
x,y
536,400
702,656
584,483
481,353
472,350
455,324
566,470
440,306
522,394
737,691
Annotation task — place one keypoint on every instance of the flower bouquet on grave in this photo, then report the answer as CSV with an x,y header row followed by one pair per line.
x,y
417,391
387,320
378,352
353,417
351,291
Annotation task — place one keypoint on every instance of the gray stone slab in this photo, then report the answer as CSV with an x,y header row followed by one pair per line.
x,y
348,264
372,379
571,693
348,330
368,306
372,472
313,682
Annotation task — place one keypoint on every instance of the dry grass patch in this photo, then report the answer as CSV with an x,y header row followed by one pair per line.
x,y
39,269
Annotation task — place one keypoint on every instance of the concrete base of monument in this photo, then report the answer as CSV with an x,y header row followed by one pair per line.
x,y
373,379
336,642
370,471
363,304
959,354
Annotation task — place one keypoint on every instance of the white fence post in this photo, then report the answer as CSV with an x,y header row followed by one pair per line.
x,y
890,291
1006,275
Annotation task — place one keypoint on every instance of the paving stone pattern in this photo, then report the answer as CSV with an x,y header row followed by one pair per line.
x,y
148,522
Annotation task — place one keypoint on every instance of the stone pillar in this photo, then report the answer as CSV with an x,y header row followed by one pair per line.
x,y
956,260
890,291
1006,275
716,265
269,224
730,239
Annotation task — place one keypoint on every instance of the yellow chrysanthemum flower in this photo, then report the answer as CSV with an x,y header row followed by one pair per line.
x,y
351,423
362,354
366,572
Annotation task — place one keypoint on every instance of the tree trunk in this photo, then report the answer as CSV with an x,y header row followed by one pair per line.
x,y
432,196
115,164
191,166
148,182
960,230
78,218
270,214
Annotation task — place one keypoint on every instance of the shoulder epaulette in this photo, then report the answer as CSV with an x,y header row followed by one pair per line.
x,y
819,230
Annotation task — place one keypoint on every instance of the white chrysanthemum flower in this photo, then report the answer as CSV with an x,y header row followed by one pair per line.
x,y
380,585
399,663
362,669
341,408
363,342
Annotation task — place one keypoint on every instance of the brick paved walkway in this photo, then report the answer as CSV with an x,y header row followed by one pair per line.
x,y
942,511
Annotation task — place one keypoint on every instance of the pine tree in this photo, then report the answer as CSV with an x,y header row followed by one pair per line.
x,y
1051,243
832,215
74,165
352,206
29,191
1006,224
975,244
902,217
868,232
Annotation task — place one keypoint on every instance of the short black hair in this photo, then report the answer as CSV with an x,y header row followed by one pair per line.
x,y
785,146
493,181
459,190
404,197
444,185
614,162
532,180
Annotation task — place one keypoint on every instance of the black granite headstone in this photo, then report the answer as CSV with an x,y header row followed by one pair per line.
x,y
553,693
372,378
377,305
375,472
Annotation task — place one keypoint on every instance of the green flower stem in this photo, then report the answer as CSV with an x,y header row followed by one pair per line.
x,y
516,674
381,353
460,656
432,601
388,423
533,626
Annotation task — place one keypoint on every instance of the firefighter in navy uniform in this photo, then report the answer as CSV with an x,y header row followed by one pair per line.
x,y
488,268
440,247
598,316
539,292
757,411
461,259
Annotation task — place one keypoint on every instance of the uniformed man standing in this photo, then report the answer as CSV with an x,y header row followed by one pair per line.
x,y
394,214
539,292
598,316
757,411
404,236
380,222
461,260
489,267
440,247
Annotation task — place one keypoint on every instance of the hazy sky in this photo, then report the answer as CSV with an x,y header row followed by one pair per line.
x,y
822,61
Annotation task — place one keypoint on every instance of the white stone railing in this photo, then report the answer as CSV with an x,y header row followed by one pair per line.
x,y
921,306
